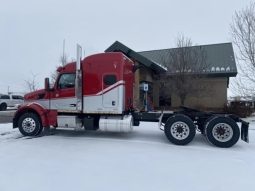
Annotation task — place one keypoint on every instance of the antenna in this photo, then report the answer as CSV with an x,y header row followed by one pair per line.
x,y
64,42
64,55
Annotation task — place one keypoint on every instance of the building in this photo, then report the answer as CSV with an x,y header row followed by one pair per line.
x,y
220,67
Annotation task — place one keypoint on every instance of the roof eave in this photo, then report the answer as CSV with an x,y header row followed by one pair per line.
x,y
215,74
119,47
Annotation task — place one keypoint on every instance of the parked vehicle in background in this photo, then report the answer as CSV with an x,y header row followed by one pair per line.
x,y
10,101
242,106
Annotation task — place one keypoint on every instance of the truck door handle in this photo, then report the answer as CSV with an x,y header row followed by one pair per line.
x,y
72,105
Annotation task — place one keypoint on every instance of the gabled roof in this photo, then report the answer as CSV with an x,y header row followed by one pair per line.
x,y
119,47
220,58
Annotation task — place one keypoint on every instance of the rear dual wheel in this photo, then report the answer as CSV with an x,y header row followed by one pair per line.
x,y
222,131
180,129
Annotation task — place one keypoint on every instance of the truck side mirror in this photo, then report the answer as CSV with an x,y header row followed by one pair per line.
x,y
47,84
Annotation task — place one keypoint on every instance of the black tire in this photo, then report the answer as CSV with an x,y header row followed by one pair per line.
x,y
222,131
29,124
40,131
3,107
180,129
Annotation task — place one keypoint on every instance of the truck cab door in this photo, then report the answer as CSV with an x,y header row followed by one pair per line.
x,y
110,92
63,98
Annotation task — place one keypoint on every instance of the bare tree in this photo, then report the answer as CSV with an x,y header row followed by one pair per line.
x,y
243,34
186,65
63,62
31,84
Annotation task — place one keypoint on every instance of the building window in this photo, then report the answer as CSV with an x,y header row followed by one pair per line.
x,y
165,99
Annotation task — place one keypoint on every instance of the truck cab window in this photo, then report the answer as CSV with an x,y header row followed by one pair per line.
x,y
5,97
110,79
66,81
17,97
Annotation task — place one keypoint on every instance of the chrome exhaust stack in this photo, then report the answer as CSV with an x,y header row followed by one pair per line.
x,y
78,82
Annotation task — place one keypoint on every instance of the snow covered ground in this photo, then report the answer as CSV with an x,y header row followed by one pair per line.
x,y
141,160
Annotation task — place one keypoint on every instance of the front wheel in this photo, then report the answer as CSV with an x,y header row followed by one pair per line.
x,y
3,107
180,129
222,131
29,124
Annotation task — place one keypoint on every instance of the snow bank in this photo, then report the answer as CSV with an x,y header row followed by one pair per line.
x,y
141,160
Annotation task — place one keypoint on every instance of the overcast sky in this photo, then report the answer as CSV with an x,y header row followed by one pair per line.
x,y
32,31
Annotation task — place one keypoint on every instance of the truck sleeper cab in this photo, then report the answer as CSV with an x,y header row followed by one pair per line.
x,y
104,92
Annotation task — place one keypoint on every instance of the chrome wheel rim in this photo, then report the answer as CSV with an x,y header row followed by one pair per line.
x,y
180,130
222,132
28,125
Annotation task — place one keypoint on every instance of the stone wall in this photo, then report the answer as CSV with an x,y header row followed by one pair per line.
x,y
214,96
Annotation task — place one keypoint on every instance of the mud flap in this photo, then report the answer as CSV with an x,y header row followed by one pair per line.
x,y
245,131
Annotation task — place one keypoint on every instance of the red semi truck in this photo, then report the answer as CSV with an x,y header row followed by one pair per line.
x,y
97,93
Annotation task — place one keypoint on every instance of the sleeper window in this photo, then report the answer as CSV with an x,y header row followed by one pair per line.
x,y
110,79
